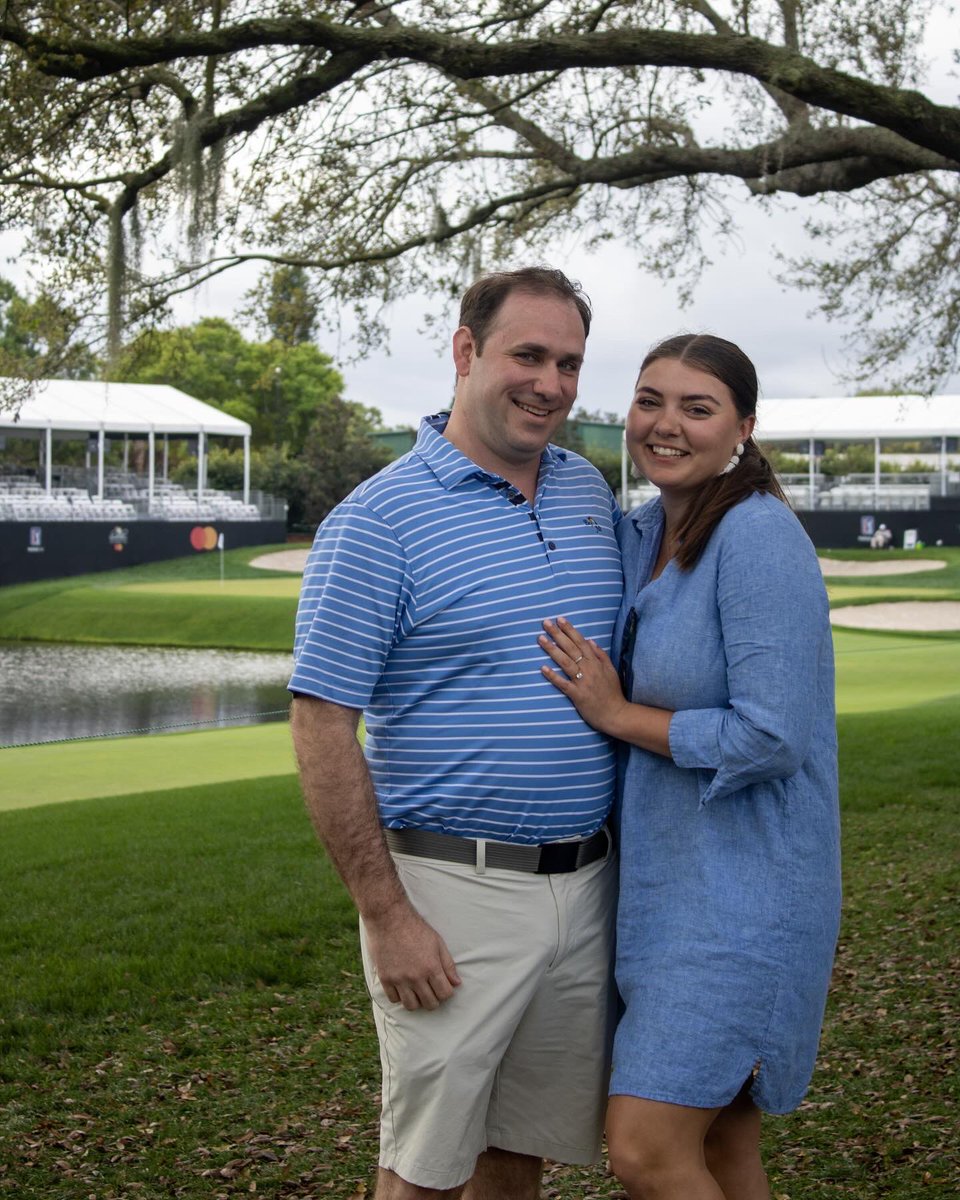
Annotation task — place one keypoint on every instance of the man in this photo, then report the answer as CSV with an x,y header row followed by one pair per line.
x,y
471,834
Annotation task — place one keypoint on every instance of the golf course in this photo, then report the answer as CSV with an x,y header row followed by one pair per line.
x,y
182,1008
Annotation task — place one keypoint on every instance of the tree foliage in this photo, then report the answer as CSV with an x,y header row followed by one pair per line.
x,y
309,445
338,454
40,334
291,311
278,389
382,148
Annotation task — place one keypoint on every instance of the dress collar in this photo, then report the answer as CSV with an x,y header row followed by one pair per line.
x,y
648,523
648,518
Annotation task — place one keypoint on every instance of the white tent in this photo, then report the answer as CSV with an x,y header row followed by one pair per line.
x,y
858,418
80,406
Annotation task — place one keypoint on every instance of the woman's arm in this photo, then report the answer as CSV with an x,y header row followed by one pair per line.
x,y
588,679
776,641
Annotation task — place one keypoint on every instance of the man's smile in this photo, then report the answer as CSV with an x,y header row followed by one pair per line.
x,y
526,407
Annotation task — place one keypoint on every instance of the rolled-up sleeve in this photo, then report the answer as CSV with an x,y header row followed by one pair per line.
x,y
773,619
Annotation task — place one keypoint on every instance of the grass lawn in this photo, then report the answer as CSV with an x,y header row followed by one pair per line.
x,y
878,671
94,767
182,1013
287,587
855,593
175,603
181,602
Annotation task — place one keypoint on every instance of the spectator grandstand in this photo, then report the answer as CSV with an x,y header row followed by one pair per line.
x,y
97,413
126,499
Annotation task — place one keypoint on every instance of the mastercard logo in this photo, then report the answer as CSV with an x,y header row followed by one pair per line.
x,y
203,537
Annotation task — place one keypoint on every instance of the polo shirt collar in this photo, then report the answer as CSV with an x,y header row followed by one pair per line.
x,y
452,467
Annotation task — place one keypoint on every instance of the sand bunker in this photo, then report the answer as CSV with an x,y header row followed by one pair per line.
x,y
295,560
892,566
909,616
282,560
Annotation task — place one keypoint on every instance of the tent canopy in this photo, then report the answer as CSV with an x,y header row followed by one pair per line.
x,y
59,407
87,406
858,418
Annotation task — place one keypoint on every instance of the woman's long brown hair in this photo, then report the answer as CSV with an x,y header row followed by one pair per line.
x,y
728,363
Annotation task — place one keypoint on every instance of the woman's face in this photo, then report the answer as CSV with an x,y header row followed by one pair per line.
x,y
682,427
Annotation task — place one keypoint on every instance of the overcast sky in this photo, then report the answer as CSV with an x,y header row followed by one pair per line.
x,y
796,354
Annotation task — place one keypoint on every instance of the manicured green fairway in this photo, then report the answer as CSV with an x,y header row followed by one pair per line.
x,y
182,602
286,586
122,616
34,775
175,603
877,671
856,593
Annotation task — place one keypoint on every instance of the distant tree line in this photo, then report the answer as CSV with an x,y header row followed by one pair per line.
x,y
309,445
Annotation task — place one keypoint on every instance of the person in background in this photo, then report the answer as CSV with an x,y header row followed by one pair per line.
x,y
471,833
728,811
882,539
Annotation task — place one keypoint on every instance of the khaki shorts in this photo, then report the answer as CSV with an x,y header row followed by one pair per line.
x,y
518,1058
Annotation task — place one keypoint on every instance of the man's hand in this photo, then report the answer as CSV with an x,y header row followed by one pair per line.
x,y
412,961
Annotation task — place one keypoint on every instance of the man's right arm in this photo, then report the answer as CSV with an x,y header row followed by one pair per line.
x,y
412,962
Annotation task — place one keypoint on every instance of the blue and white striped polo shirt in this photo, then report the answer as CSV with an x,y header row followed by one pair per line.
x,y
422,600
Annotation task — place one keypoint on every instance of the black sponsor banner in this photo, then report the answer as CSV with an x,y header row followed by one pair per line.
x,y
32,550
847,530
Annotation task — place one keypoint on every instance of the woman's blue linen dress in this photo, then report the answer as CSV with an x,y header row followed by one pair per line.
x,y
729,853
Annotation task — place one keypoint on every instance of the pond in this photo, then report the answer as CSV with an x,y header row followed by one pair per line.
x,y
54,692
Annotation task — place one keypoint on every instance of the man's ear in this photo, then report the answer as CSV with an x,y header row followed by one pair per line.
x,y
464,350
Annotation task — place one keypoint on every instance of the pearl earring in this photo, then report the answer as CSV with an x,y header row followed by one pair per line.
x,y
734,459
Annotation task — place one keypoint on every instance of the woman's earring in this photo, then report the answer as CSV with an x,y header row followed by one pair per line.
x,y
734,459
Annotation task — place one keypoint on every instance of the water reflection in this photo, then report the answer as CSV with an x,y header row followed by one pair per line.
x,y
50,692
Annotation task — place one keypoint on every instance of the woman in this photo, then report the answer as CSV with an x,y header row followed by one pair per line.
x,y
729,830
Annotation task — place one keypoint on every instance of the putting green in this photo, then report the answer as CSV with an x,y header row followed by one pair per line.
x,y
278,586
849,593
877,672
34,775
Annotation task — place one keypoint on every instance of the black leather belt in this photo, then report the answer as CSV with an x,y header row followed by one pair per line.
x,y
554,858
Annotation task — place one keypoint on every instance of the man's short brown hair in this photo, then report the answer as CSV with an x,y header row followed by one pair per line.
x,y
482,300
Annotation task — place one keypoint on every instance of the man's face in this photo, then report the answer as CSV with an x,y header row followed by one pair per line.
x,y
514,395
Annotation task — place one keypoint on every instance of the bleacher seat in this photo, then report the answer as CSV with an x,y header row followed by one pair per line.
x,y
22,498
